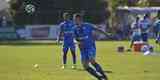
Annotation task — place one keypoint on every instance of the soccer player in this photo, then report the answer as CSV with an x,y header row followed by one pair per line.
x,y
84,35
136,34
158,39
157,28
67,31
145,25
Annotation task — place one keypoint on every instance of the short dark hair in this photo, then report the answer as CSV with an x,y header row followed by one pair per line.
x,y
66,14
77,15
137,17
147,15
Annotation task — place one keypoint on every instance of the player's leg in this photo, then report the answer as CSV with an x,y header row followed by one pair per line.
x,y
158,39
99,69
136,37
73,51
145,38
87,67
90,70
65,51
132,40
131,44
92,56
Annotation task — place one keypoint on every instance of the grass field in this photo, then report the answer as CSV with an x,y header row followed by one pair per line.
x,y
16,63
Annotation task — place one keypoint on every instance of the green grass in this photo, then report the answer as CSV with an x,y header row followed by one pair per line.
x,y
16,63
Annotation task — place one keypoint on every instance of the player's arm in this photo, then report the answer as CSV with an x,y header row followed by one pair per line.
x,y
150,26
79,41
59,37
60,34
98,30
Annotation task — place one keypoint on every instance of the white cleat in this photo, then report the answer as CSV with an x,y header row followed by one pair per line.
x,y
63,67
73,67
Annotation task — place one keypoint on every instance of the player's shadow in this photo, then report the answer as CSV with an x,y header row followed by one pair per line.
x,y
106,71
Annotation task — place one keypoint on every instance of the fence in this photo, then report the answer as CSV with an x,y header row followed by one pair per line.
x,y
29,32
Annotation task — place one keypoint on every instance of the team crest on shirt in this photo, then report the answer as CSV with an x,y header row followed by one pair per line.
x,y
69,24
84,28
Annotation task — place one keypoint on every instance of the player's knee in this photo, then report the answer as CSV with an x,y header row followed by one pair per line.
x,y
65,49
85,65
65,54
73,52
93,61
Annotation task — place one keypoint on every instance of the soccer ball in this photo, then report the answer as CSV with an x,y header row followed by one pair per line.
x,y
30,8
36,65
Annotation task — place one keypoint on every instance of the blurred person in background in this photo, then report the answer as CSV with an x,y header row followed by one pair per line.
x,y
67,32
136,34
145,26
102,27
157,30
156,26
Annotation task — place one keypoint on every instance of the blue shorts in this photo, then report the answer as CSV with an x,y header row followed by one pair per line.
x,y
71,46
136,37
145,37
88,54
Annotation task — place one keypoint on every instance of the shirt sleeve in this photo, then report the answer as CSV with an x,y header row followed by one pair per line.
x,y
92,26
61,27
76,34
132,25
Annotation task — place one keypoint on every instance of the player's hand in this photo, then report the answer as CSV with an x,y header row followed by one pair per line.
x,y
80,45
109,35
58,41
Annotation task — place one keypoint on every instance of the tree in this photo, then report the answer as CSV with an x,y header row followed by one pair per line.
x,y
48,11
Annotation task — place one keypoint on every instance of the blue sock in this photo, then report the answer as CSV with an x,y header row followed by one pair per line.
x,y
65,50
99,69
64,58
74,57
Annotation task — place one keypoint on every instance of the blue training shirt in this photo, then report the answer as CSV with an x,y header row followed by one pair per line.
x,y
85,36
145,25
67,28
157,26
135,27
